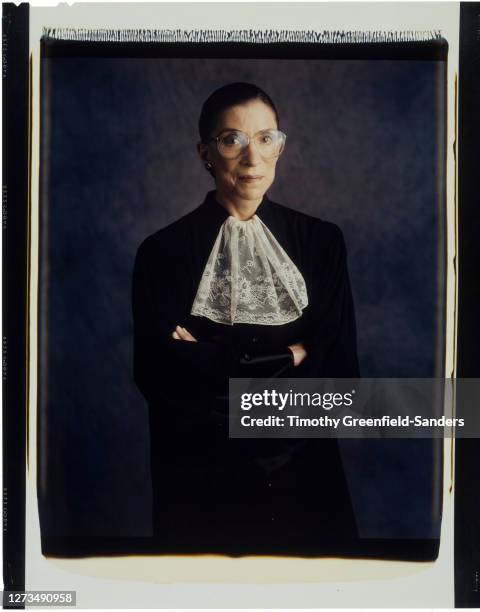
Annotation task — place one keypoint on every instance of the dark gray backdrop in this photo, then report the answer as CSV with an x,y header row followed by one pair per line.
x,y
364,149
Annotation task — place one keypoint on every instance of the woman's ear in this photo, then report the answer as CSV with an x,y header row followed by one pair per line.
x,y
205,157
203,152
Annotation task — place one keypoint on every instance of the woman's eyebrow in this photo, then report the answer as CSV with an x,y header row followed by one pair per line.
x,y
239,130
229,130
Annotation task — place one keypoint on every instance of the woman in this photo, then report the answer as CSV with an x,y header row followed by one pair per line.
x,y
241,286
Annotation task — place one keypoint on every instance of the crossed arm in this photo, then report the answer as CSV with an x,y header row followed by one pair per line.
x,y
298,350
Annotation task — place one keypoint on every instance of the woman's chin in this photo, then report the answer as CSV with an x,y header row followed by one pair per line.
x,y
251,191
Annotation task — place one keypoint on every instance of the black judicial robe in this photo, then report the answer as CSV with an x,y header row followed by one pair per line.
x,y
240,496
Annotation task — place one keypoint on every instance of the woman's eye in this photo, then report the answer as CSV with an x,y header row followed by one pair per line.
x,y
266,139
231,140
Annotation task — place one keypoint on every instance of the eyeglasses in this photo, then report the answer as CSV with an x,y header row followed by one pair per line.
x,y
269,143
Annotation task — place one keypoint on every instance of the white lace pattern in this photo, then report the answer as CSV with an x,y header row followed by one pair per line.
x,y
249,278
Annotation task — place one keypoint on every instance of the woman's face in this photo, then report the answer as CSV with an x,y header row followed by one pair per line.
x,y
248,176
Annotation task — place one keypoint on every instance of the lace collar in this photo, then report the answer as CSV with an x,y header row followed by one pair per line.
x,y
249,278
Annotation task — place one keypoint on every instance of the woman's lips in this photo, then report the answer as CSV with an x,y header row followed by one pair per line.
x,y
251,178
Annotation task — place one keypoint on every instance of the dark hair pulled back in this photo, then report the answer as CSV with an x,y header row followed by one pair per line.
x,y
229,95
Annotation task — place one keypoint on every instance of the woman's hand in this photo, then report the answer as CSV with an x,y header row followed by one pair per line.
x,y
181,333
299,353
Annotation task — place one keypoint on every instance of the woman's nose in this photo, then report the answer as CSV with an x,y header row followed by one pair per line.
x,y
251,154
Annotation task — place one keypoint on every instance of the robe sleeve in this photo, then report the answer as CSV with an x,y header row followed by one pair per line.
x,y
165,368
332,340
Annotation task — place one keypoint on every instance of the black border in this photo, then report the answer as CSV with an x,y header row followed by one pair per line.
x,y
467,451
433,50
15,204
419,549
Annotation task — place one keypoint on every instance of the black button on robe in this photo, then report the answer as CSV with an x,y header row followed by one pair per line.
x,y
240,496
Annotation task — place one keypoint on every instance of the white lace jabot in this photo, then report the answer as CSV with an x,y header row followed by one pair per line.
x,y
249,278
